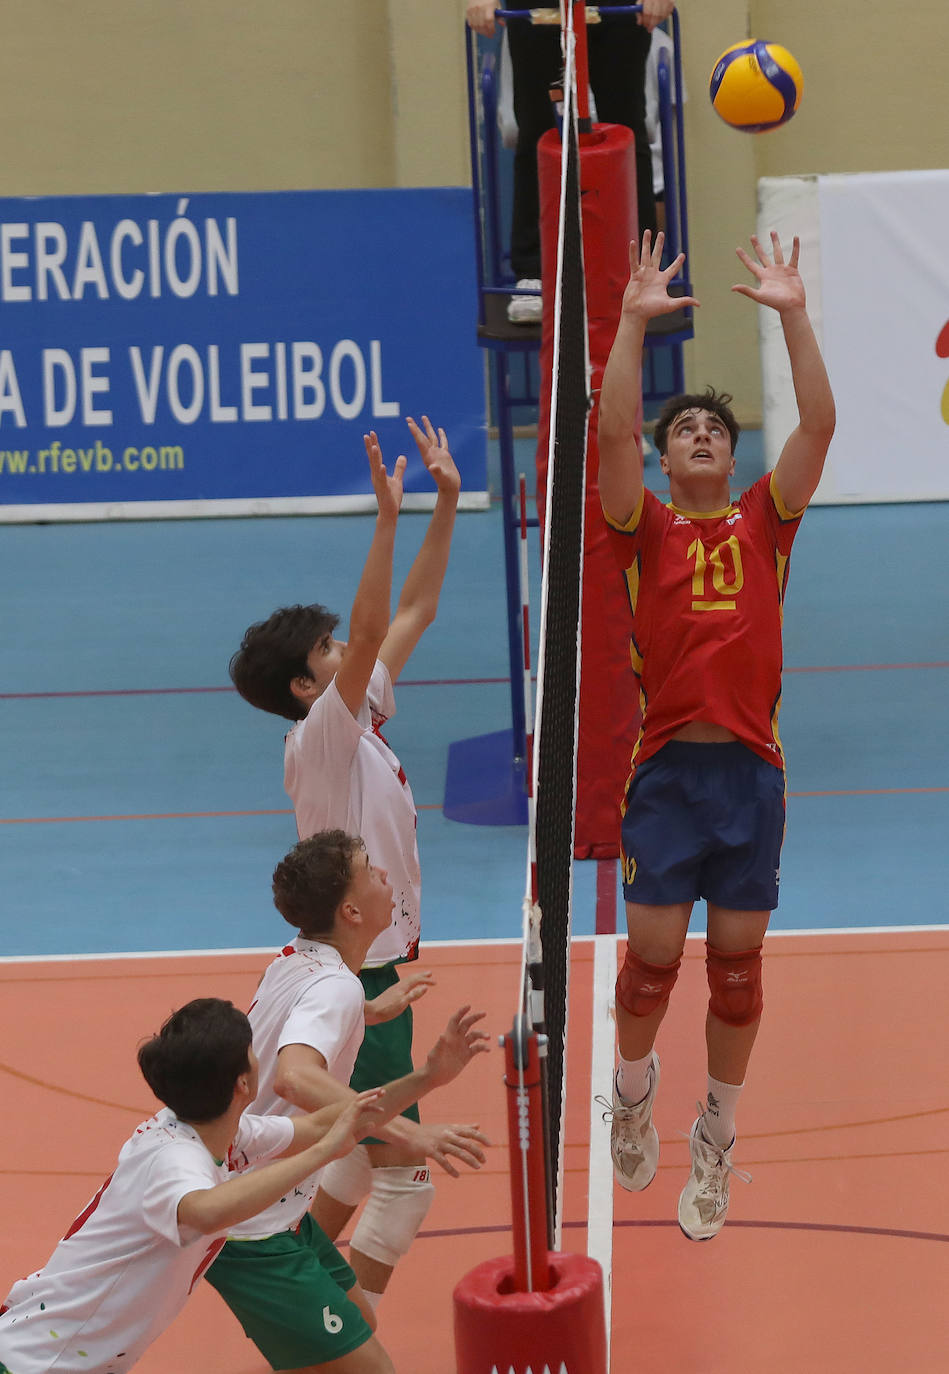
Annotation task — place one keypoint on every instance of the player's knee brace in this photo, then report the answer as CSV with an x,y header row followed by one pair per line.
x,y
643,988
392,1218
734,980
349,1179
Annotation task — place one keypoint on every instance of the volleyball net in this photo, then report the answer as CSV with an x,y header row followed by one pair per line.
x,y
536,1047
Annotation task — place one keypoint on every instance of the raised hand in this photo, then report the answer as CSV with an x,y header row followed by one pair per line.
x,y
356,1120
779,283
388,489
393,1002
435,455
455,1048
444,1143
647,292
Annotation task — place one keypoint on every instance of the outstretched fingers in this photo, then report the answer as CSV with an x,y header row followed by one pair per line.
x,y
426,435
649,253
433,447
388,489
749,262
464,1022
422,437
463,1143
373,451
777,280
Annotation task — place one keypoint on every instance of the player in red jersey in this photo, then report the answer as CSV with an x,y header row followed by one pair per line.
x,y
703,815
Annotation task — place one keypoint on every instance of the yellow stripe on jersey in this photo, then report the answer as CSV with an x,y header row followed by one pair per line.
x,y
777,738
636,748
781,561
632,583
730,509
779,505
632,524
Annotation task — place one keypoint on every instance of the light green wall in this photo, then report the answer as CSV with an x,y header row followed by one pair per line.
x,y
168,95
190,95
873,90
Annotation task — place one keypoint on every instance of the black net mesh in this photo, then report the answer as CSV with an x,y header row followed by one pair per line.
x,y
557,709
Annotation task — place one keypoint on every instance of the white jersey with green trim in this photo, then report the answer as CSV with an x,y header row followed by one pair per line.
x,y
307,996
125,1267
340,774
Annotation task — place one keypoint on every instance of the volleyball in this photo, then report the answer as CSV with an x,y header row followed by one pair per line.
x,y
756,86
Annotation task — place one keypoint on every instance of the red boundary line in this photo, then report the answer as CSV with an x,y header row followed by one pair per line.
x,y
427,682
427,806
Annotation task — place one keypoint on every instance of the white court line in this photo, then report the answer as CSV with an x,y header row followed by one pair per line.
x,y
600,1180
438,944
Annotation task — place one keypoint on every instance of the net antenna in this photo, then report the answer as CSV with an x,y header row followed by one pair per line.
x,y
536,1047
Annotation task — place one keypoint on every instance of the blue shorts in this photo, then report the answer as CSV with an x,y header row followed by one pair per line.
x,y
704,820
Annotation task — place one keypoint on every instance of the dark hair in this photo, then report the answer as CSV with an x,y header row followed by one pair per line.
x,y
195,1060
310,883
274,651
716,403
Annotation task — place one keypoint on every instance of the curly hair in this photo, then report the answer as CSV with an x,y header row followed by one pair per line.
x,y
274,651
311,881
715,402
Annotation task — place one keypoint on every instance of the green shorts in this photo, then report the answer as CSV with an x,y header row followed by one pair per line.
x,y
386,1051
289,1294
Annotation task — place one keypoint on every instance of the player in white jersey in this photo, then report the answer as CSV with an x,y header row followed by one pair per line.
x,y
308,1021
126,1265
341,774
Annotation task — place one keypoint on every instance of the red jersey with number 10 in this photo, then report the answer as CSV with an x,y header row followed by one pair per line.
x,y
706,592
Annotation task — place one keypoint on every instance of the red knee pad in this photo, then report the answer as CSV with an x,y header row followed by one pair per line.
x,y
734,980
642,988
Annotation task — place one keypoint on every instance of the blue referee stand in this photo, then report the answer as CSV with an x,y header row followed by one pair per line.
x,y
486,780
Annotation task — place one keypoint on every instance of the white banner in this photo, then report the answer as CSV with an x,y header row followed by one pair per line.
x,y
884,308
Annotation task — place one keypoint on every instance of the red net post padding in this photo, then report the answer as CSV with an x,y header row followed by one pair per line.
x,y
498,1328
527,1142
609,706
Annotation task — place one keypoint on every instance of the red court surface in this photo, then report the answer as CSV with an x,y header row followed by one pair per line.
x,y
835,1258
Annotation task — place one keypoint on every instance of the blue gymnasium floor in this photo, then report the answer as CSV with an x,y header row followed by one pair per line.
x,y
142,808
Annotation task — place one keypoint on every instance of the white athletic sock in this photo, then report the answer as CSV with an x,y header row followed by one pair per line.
x,y
373,1299
632,1079
718,1123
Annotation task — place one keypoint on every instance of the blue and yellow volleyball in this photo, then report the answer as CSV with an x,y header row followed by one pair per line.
x,y
756,86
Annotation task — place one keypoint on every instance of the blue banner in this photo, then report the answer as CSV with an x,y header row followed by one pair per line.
x,y
232,349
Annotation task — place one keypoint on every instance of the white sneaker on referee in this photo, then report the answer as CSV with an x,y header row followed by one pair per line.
x,y
703,1202
526,309
634,1140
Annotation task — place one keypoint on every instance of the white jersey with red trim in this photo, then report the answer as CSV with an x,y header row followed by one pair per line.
x,y
307,996
340,774
125,1267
